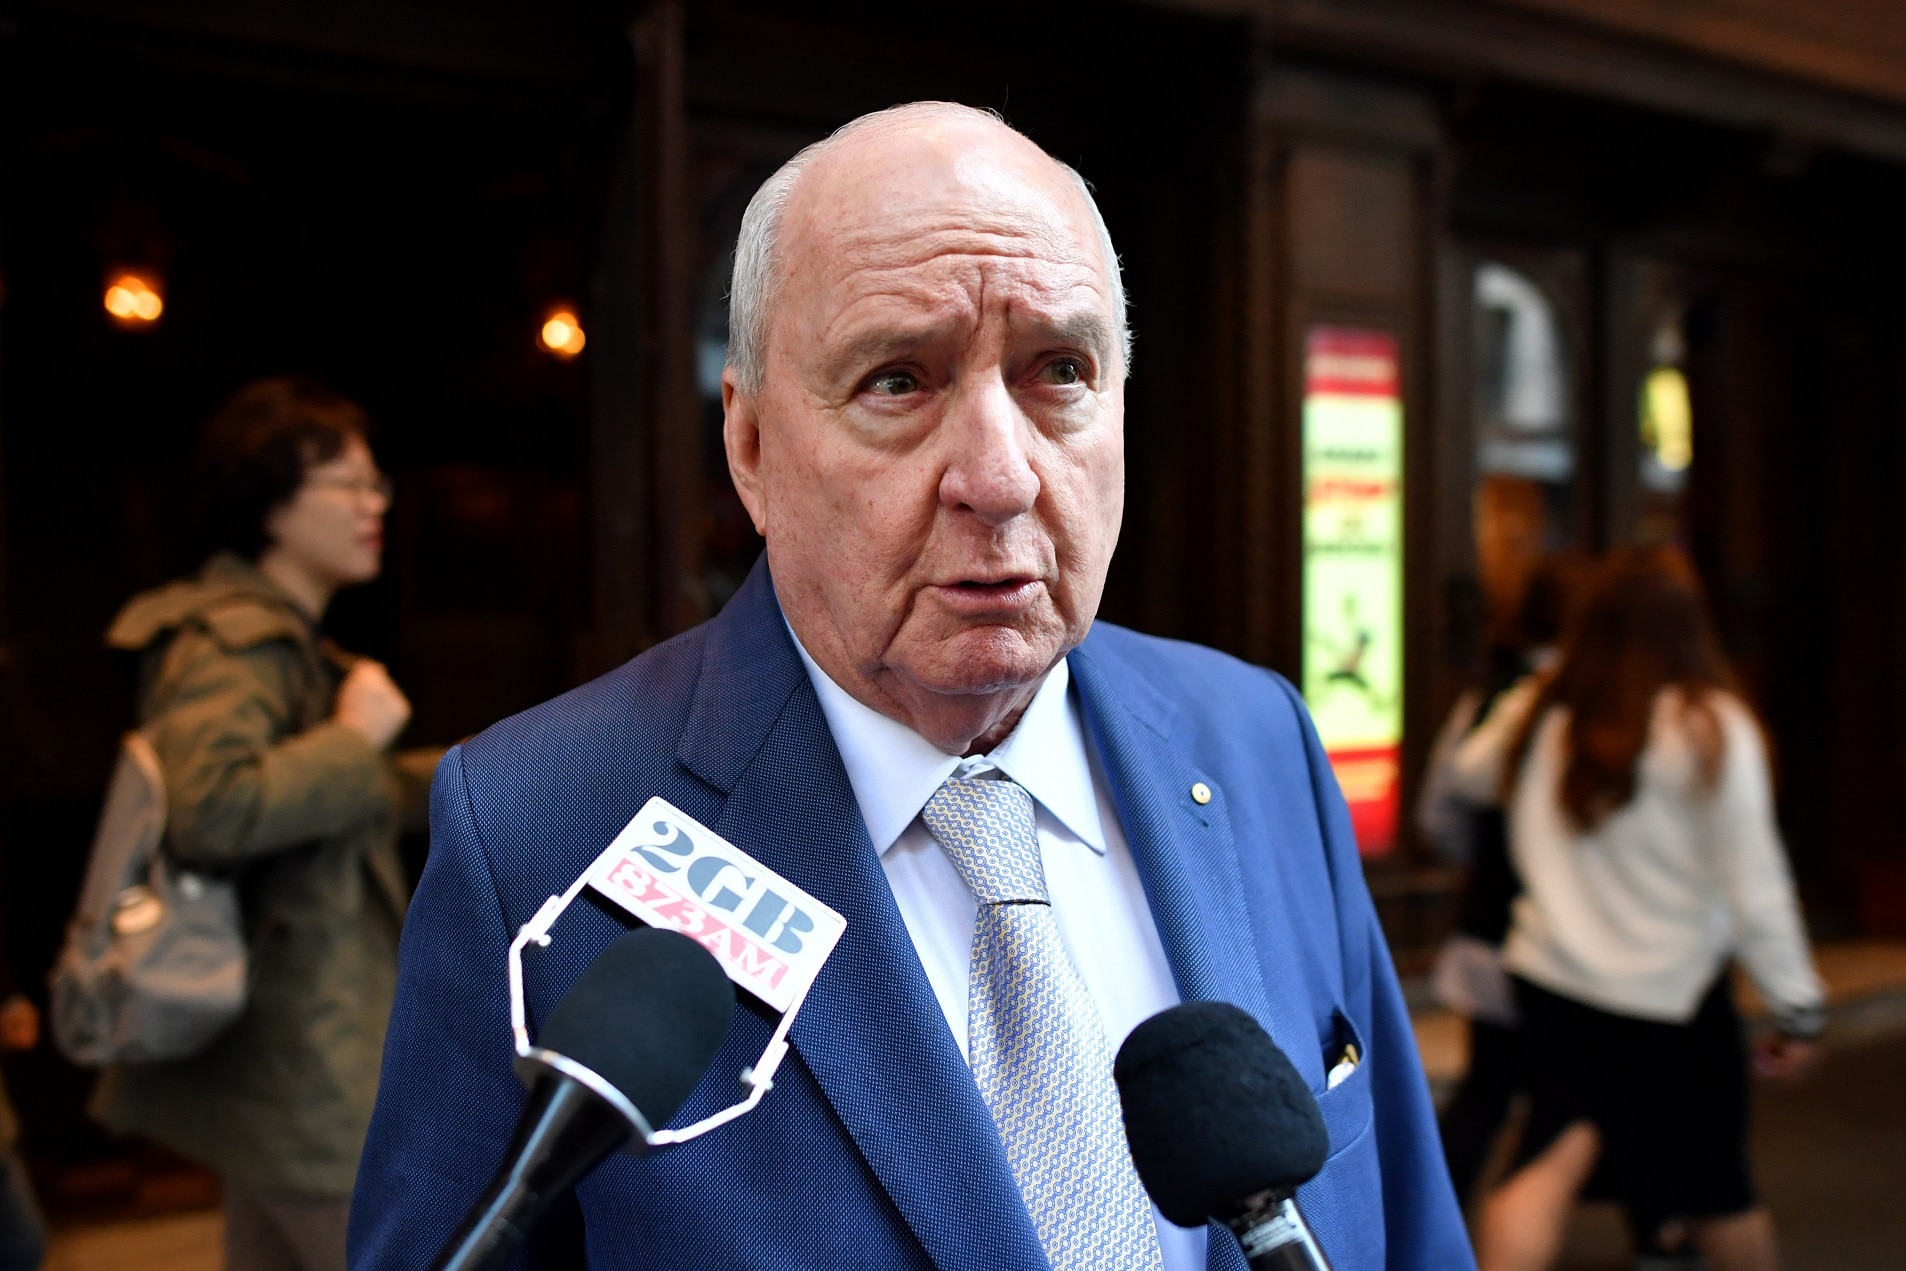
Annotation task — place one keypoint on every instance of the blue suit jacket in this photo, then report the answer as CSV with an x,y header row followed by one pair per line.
x,y
874,1149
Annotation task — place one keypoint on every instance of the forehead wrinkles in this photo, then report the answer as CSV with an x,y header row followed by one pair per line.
x,y
881,237
950,293
953,271
942,234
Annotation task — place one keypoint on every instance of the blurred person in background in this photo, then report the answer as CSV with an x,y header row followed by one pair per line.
x,y
22,1228
1641,824
275,746
1469,977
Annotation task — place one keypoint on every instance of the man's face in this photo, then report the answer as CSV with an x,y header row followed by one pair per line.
x,y
936,458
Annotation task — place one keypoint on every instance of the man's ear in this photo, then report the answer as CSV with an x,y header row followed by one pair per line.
x,y
741,438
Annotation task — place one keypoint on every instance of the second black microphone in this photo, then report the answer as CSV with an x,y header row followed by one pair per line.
x,y
1222,1126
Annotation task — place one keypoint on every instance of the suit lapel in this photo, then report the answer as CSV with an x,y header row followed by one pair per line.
x,y
1187,861
1184,850
871,1031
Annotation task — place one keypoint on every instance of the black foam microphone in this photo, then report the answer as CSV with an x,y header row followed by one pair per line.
x,y
1221,1126
616,1059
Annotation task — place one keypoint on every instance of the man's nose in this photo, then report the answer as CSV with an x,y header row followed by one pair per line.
x,y
989,472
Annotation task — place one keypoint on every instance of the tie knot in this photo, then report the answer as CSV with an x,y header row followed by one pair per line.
x,y
986,827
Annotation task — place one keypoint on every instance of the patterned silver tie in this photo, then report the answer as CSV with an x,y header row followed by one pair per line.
x,y
1036,1042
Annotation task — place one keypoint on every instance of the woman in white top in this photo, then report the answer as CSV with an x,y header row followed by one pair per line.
x,y
1641,823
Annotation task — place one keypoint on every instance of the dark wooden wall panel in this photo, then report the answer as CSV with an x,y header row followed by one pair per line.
x,y
1859,45
1352,217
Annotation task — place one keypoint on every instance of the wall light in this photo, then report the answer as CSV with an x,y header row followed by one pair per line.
x,y
133,299
561,334
1667,418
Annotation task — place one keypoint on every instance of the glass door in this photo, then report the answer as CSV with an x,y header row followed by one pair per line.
x,y
1528,500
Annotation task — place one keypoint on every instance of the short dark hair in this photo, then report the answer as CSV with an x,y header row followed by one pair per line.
x,y
258,447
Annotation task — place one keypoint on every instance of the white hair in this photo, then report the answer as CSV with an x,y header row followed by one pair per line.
x,y
752,290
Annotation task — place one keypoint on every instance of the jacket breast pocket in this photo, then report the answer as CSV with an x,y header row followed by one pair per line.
x,y
1344,1203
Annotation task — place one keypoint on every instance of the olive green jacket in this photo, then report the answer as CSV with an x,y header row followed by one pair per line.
x,y
236,696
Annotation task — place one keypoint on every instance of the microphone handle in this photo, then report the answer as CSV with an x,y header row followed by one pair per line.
x,y
564,1130
1275,1237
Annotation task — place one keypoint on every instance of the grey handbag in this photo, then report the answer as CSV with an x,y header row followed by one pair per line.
x,y
154,966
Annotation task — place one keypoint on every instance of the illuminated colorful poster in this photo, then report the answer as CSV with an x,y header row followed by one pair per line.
x,y
1353,569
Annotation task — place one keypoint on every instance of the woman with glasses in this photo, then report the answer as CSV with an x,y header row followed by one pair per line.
x,y
278,772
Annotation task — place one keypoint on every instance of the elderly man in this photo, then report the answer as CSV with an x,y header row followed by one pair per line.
x,y
1039,831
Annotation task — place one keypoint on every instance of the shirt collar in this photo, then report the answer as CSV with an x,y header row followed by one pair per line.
x,y
894,770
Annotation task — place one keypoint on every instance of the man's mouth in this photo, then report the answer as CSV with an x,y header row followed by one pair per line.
x,y
980,596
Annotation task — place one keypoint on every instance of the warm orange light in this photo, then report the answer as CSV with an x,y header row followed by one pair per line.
x,y
561,334
133,300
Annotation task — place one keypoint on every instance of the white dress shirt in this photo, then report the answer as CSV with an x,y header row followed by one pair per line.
x,y
1104,920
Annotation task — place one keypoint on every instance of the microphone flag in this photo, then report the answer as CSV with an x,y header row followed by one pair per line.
x,y
673,872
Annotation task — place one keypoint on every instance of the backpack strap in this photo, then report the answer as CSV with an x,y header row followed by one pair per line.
x,y
131,828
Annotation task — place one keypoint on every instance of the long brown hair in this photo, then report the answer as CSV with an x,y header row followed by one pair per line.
x,y
1642,627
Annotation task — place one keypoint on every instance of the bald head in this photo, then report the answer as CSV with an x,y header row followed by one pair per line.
x,y
918,135
924,412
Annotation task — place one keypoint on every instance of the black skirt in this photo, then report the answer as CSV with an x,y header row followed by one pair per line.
x,y
1670,1101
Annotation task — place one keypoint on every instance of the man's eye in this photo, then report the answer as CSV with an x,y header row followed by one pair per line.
x,y
893,383
1065,370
